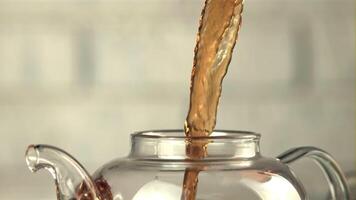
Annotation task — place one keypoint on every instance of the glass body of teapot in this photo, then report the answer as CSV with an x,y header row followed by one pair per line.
x,y
155,168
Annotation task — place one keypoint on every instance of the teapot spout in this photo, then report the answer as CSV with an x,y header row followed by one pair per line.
x,y
72,180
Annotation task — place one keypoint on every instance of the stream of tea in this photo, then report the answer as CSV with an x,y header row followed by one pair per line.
x,y
218,29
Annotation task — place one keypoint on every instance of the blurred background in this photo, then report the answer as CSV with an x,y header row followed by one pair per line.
x,y
84,74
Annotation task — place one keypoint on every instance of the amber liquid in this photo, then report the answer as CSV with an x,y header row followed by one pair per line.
x,y
218,29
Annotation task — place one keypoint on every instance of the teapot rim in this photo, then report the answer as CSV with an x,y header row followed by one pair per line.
x,y
179,134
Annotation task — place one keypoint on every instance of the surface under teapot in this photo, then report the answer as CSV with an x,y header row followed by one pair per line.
x,y
154,170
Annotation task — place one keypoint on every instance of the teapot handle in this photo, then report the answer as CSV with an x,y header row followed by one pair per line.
x,y
337,182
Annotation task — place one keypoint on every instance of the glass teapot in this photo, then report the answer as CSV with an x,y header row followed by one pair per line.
x,y
154,170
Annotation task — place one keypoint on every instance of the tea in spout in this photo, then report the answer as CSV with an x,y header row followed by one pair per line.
x,y
69,175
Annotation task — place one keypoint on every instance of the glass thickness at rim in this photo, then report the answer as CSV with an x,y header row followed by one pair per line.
x,y
179,134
